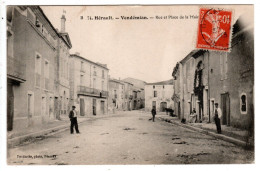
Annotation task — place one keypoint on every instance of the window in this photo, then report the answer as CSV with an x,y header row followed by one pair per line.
x,y
115,95
46,75
30,104
163,86
94,83
102,85
81,79
94,71
135,94
103,74
243,103
223,65
43,104
153,87
82,66
38,70
46,69
155,94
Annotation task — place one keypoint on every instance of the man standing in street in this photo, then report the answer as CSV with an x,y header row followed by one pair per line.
x,y
153,113
73,120
217,118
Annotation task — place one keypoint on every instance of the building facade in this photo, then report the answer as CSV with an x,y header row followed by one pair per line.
x,y
62,86
138,95
177,90
31,54
232,80
128,96
116,97
88,86
159,96
204,78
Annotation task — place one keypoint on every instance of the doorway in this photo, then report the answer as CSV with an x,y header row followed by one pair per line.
x,y
135,104
94,106
163,106
82,107
225,107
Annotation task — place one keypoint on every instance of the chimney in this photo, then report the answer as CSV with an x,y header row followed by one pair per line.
x,y
77,53
63,20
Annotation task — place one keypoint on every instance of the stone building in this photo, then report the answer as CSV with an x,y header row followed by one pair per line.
x,y
31,54
88,86
159,95
231,81
177,91
208,77
138,99
62,96
128,96
116,97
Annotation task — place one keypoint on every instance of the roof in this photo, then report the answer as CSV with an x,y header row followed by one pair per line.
x,y
66,39
100,65
117,81
127,82
128,79
167,82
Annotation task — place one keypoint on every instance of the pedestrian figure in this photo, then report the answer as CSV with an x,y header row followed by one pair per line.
x,y
218,115
153,113
73,120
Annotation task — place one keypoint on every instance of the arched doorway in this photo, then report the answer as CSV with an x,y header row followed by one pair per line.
x,y
163,106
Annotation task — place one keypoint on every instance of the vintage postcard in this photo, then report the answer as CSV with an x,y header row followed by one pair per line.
x,y
130,84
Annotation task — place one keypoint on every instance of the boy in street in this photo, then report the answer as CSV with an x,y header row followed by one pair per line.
x,y
217,118
73,120
153,112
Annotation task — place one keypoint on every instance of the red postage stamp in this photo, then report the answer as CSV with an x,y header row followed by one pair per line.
x,y
214,29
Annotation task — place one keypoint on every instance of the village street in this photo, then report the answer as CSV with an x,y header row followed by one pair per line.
x,y
128,138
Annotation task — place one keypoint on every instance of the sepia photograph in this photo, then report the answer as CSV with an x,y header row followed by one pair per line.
x,y
130,84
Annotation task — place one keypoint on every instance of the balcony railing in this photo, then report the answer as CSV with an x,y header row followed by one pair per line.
x,y
92,91
16,69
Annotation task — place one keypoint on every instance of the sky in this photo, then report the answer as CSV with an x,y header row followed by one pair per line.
x,y
144,49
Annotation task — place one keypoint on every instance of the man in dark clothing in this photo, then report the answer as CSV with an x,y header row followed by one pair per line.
x,y
218,115
73,120
153,113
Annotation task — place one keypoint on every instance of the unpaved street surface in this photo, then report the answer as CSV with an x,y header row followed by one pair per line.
x,y
128,138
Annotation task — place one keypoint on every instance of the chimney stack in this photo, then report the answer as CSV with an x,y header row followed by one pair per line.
x,y
77,53
63,20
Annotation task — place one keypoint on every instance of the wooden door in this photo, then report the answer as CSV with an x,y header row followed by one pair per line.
x,y
179,110
163,105
82,107
225,107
